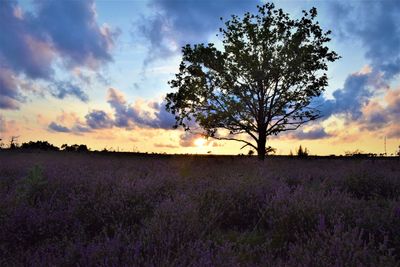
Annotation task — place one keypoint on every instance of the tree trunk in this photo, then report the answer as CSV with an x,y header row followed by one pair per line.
x,y
262,139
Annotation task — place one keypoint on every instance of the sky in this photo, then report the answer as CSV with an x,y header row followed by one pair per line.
x,y
96,73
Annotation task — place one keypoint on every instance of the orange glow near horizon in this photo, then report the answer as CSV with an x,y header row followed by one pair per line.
x,y
200,142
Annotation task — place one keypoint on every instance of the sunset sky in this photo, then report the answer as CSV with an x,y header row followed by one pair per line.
x,y
96,73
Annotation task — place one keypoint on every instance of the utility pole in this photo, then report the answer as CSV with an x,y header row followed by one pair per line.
x,y
385,145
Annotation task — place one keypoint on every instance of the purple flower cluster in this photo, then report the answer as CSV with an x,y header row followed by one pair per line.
x,y
73,209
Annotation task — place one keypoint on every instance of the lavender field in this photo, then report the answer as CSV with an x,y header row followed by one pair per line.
x,y
78,209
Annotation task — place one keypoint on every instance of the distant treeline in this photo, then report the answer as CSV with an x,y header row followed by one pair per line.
x,y
46,146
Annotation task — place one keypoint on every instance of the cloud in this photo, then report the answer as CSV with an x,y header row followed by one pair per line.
x,y
145,114
23,47
162,145
151,114
376,25
393,131
316,133
382,115
362,110
77,129
2,124
177,23
31,43
62,89
69,122
117,101
58,128
140,114
392,98
98,119
88,44
163,118
375,116
348,100
187,139
9,95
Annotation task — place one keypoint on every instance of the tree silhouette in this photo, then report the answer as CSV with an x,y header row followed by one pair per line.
x,y
260,84
13,142
74,148
302,152
39,145
270,150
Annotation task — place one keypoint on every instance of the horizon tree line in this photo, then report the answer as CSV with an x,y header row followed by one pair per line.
x,y
46,146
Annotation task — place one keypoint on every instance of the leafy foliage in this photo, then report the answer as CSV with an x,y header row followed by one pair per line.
x,y
263,81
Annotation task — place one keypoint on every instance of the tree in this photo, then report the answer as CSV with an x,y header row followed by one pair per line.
x,y
270,150
260,84
39,145
75,148
302,152
14,142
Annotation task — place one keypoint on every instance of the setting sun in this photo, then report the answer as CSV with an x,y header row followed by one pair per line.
x,y
76,77
200,142
187,132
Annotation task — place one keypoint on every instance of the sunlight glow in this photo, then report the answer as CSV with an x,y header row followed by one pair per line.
x,y
200,142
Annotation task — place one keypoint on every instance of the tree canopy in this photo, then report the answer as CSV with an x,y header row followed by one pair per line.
x,y
261,83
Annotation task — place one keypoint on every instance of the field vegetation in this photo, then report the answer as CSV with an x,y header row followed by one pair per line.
x,y
115,209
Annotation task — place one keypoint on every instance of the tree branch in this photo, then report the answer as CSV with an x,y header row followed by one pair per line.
x,y
235,139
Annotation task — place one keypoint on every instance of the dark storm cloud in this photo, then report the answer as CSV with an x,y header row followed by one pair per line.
x,y
63,89
58,128
177,22
30,43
